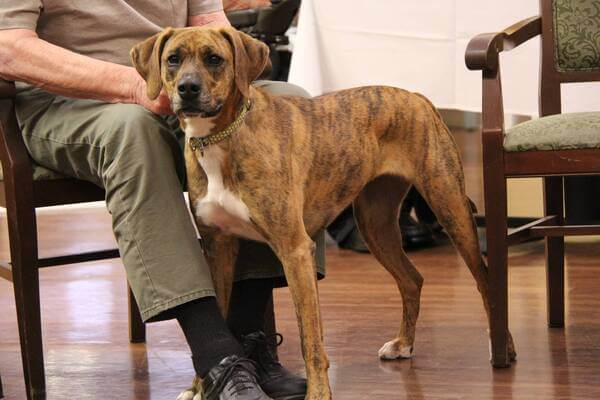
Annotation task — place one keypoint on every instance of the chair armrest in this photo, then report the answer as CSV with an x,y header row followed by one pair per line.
x,y
243,18
7,89
483,50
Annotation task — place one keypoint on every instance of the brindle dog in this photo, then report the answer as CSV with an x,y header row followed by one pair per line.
x,y
294,163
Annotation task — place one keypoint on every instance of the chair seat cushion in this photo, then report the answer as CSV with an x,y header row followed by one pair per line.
x,y
556,132
39,173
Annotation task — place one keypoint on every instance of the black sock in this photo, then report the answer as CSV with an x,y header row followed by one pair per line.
x,y
206,333
249,300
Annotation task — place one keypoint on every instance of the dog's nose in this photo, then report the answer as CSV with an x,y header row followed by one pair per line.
x,y
188,87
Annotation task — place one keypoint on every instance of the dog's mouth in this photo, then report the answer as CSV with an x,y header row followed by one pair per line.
x,y
211,112
191,111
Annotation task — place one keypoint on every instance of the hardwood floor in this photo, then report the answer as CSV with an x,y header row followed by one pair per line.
x,y
88,355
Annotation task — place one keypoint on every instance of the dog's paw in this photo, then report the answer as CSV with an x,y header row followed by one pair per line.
x,y
394,350
189,394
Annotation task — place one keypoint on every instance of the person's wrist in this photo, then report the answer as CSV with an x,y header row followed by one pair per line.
x,y
216,19
138,89
132,87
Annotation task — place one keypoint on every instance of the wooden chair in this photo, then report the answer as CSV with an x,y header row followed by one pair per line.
x,y
551,147
24,188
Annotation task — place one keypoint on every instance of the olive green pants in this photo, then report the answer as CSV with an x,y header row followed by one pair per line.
x,y
137,158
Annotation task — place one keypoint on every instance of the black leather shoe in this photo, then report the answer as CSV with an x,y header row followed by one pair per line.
x,y
233,378
275,380
354,241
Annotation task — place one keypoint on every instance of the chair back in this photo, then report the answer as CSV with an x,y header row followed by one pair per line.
x,y
570,48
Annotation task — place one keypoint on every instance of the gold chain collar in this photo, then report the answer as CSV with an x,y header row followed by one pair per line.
x,y
202,143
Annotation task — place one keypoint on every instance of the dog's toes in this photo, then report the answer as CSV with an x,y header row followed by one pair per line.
x,y
394,350
188,395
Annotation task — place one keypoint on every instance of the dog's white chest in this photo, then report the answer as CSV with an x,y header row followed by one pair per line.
x,y
220,207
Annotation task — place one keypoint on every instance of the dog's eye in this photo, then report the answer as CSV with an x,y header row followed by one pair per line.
x,y
173,59
214,60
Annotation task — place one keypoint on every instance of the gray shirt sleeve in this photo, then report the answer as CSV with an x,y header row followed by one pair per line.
x,y
197,7
22,14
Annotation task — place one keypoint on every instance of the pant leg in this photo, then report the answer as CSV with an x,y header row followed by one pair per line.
x,y
257,260
136,157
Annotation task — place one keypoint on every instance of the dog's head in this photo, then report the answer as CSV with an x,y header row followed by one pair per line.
x,y
200,68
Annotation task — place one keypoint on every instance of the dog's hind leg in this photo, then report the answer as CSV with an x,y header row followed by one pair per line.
x,y
376,211
441,183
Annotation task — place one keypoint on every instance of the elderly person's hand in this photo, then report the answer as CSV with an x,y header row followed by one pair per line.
x,y
161,105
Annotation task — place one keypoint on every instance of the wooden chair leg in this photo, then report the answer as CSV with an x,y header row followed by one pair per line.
x,y
497,246
555,254
23,247
137,328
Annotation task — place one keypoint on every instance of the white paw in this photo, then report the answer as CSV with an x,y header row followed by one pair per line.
x,y
188,395
391,351
198,396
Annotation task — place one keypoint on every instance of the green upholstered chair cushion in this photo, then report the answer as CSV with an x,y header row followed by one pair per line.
x,y
577,35
39,174
556,132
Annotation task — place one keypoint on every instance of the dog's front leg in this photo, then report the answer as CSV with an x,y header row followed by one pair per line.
x,y
297,257
221,252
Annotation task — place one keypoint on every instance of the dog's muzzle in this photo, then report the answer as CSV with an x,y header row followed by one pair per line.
x,y
190,100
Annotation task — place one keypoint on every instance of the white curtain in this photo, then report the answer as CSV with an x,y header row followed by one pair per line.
x,y
420,46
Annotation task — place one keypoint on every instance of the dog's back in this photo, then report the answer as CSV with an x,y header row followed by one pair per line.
x,y
342,140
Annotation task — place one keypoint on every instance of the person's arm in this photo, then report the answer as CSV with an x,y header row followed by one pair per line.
x,y
27,58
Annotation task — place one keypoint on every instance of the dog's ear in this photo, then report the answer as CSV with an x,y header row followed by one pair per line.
x,y
251,58
146,60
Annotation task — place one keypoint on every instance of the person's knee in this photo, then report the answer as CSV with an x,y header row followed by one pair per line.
x,y
134,130
131,124
138,139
